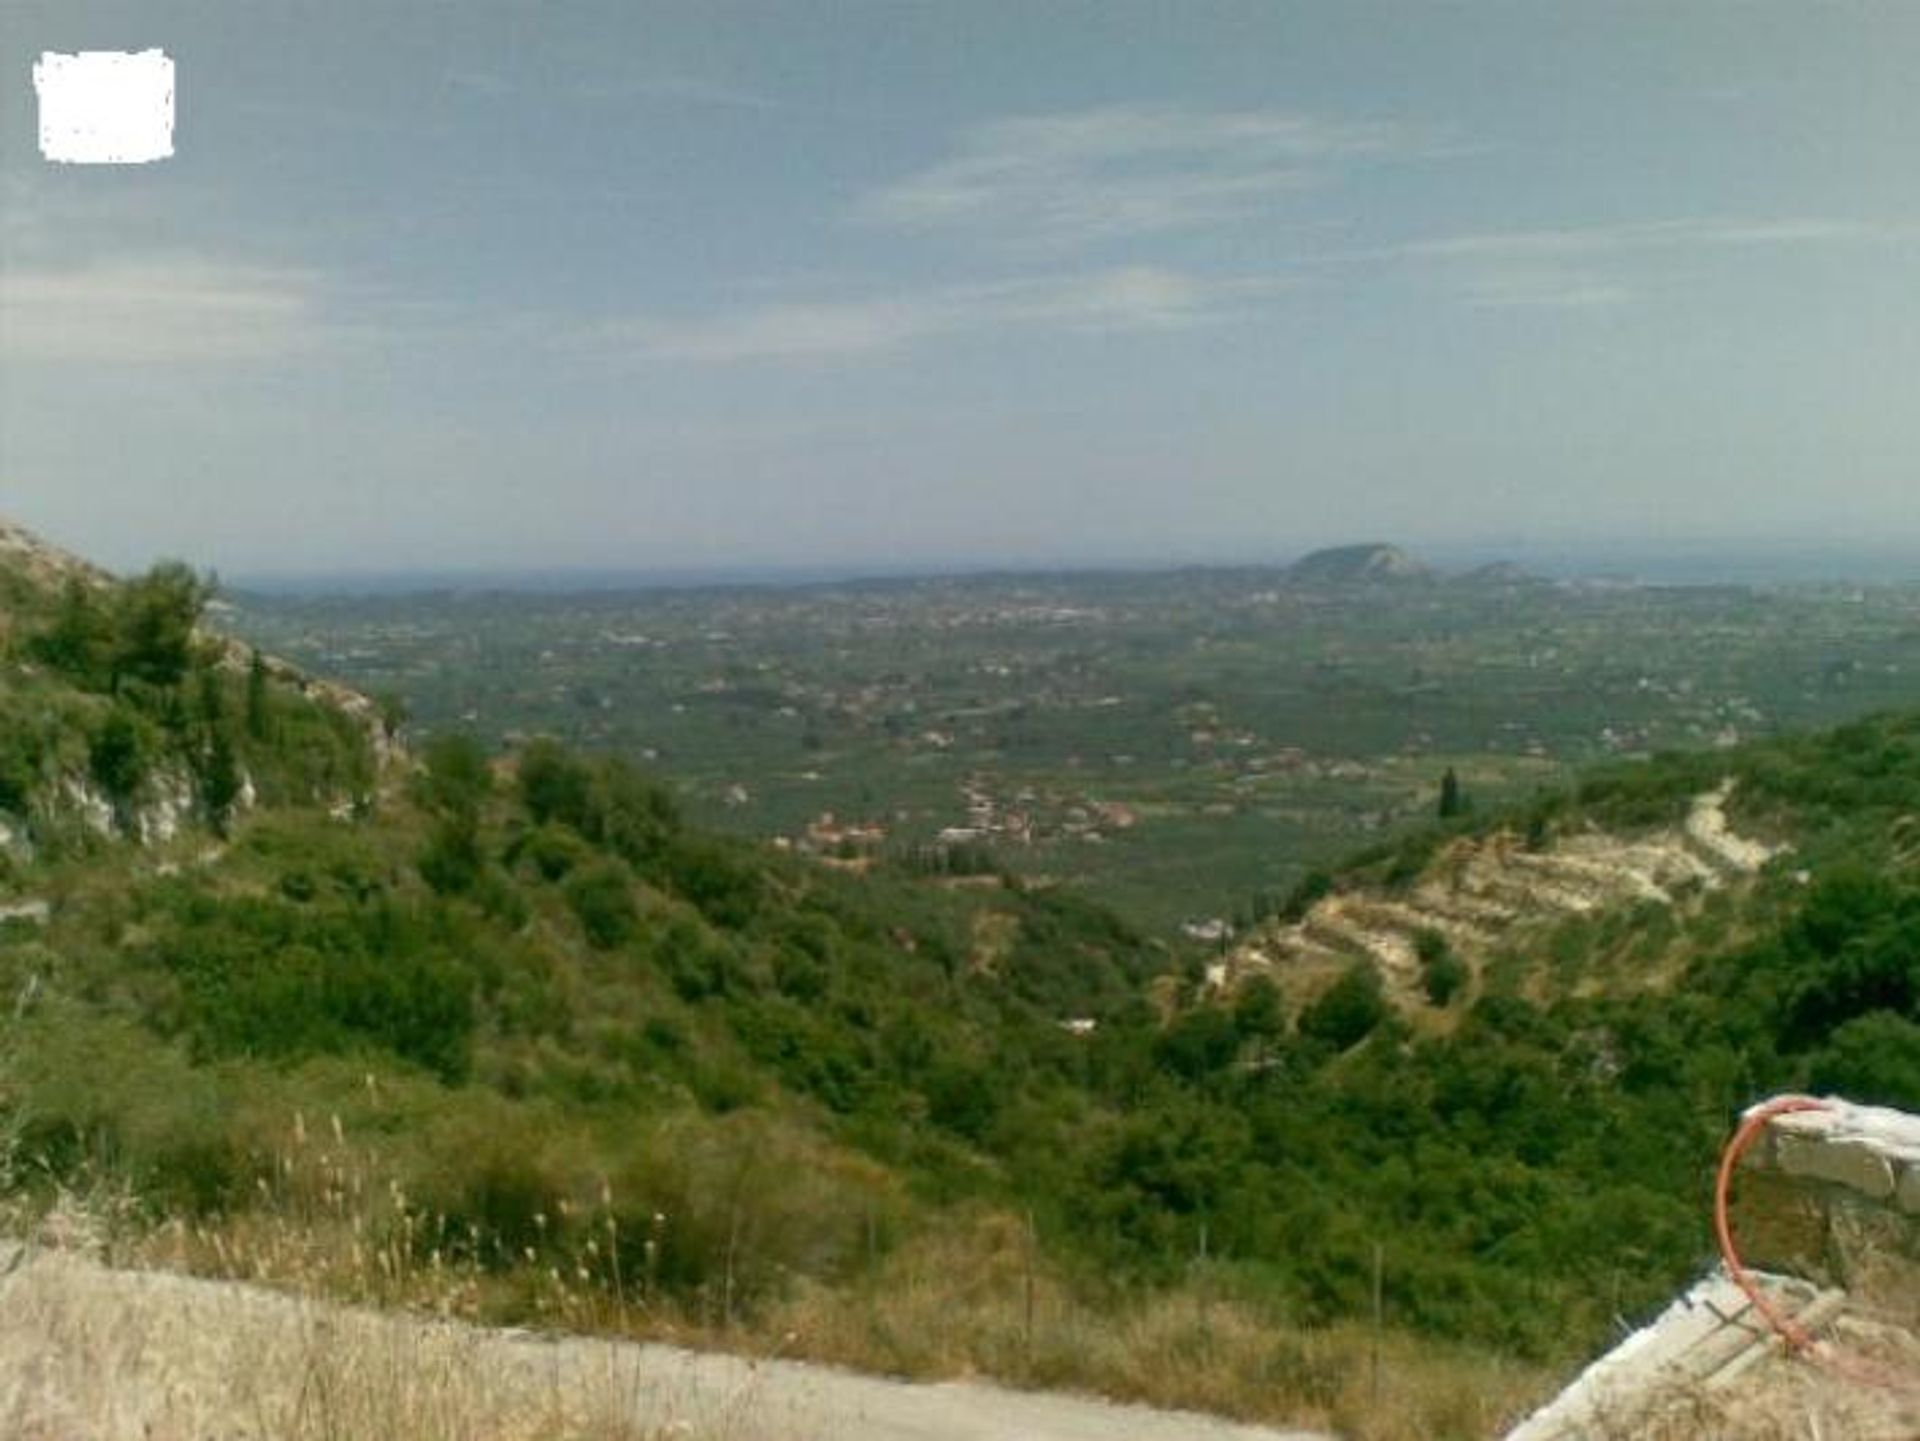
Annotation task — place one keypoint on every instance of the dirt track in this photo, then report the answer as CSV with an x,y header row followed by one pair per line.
x,y
90,1352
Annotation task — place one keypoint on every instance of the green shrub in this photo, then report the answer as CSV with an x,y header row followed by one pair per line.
x,y
451,861
1442,973
553,851
1348,1010
1873,1058
120,754
555,786
153,625
601,895
266,978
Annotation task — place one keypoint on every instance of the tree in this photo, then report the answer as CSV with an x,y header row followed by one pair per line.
x,y
79,642
1311,888
118,756
456,782
259,702
452,860
1199,1042
220,782
213,699
1873,1058
457,778
1347,1011
1452,802
394,713
1259,1011
602,897
554,786
1442,973
154,624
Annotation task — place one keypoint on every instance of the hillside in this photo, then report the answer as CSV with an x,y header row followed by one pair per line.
x,y
505,1036
1498,895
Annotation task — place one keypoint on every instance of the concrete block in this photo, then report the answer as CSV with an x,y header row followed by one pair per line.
x,y
1909,1192
1781,1221
1855,1164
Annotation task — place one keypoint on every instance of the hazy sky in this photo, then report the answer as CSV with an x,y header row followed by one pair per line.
x,y
437,286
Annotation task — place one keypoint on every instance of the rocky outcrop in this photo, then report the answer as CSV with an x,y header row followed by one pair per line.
x,y
45,566
34,573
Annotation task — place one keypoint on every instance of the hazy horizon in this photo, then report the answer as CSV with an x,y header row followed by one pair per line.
x,y
883,289
1650,562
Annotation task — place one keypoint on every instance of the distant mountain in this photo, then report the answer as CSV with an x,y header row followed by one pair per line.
x,y
1357,564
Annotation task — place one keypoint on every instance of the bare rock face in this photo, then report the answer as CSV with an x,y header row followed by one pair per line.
x,y
43,564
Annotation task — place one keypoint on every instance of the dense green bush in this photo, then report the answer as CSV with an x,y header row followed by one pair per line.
x,y
601,894
1442,973
452,860
1347,1011
552,850
1873,1058
120,754
269,978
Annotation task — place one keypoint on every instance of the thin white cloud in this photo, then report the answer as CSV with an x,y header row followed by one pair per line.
x,y
1119,171
1120,299
144,312
1595,267
1662,235
1542,290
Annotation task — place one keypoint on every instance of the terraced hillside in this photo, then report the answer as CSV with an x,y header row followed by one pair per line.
x,y
1496,892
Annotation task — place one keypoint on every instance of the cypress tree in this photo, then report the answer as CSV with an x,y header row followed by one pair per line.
x,y
258,721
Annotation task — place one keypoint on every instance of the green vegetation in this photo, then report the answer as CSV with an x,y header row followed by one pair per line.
x,y
1178,745
550,1011
115,688
1442,974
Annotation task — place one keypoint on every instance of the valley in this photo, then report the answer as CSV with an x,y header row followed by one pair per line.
x,y
311,995
1185,746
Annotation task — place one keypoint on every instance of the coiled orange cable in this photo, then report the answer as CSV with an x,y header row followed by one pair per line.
x,y
1790,1331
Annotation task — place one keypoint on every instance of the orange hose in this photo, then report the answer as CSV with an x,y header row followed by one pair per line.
x,y
1787,1329
1791,1332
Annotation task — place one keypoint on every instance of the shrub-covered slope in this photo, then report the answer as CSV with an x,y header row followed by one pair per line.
x,y
508,1019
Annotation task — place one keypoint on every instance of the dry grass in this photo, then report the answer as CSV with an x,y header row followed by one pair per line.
x,y
972,1298
978,1299
1862,1384
86,1352
156,1356
1868,1389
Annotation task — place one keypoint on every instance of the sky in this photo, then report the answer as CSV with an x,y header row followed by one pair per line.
x,y
826,283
